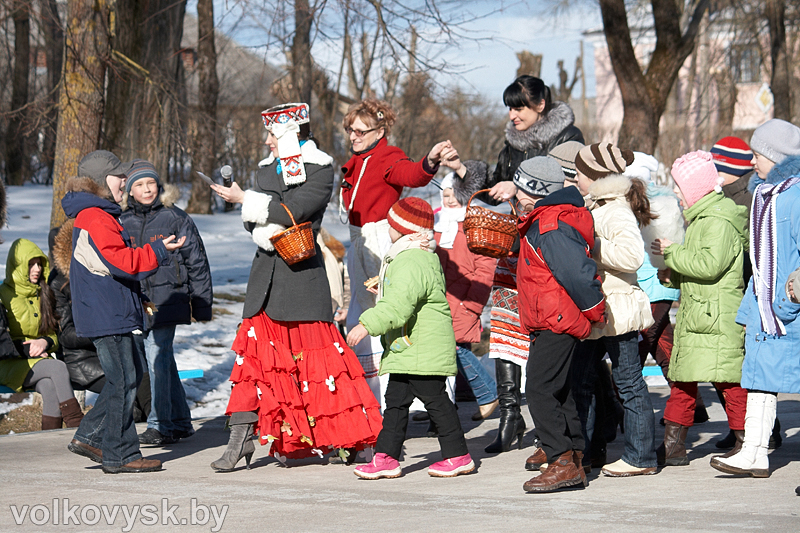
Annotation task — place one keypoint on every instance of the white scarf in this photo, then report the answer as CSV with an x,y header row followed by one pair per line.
x,y
294,172
423,241
446,223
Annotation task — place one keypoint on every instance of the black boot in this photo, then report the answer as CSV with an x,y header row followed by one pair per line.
x,y
728,442
240,445
509,380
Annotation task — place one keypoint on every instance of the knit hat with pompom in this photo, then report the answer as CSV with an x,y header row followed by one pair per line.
x,y
696,176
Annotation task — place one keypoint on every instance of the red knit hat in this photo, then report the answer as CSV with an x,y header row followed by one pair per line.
x,y
411,215
733,156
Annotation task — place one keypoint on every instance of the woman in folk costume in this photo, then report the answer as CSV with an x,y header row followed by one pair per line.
x,y
537,124
295,381
373,181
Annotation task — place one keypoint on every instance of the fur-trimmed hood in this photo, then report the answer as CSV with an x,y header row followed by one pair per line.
x,y
610,187
62,248
542,132
781,172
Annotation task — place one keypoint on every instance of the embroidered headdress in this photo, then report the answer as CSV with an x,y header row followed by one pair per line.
x,y
283,121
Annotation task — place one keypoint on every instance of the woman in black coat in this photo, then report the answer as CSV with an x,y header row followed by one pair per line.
x,y
536,125
296,382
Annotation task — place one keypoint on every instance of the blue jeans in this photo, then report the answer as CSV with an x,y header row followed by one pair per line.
x,y
109,424
168,410
626,368
480,381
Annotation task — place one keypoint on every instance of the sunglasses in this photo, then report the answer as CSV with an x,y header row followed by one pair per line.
x,y
359,133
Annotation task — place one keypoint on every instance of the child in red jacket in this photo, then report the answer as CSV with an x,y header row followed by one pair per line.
x,y
559,299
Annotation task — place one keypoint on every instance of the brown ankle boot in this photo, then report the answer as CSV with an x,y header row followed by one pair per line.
x,y
673,451
71,413
51,422
739,434
135,467
536,461
559,474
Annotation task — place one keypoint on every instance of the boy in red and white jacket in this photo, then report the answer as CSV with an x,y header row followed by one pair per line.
x,y
559,299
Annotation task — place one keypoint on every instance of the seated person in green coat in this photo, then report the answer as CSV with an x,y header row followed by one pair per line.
x,y
420,348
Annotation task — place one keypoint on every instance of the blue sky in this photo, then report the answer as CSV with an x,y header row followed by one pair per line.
x,y
487,65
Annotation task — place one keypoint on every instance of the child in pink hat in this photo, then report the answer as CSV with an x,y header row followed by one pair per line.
x,y
707,268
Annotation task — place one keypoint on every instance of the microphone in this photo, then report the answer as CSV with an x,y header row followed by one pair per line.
x,y
226,173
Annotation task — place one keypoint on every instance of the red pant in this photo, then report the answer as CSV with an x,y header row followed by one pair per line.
x,y
683,395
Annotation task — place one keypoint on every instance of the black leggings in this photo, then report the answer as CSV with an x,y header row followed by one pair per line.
x,y
50,378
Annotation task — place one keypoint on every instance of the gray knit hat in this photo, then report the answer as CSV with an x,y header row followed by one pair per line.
x,y
776,140
101,163
539,176
141,169
565,155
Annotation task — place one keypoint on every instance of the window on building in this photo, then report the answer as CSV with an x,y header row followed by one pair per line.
x,y
746,65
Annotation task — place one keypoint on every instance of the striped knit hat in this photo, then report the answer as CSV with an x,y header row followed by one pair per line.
x,y
411,215
601,159
733,156
141,169
565,154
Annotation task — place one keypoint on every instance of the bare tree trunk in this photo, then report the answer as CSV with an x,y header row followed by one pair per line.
x,y
644,95
142,114
54,51
302,73
17,157
780,82
204,152
81,101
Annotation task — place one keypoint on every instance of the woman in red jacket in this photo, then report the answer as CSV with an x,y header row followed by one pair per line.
x,y
373,180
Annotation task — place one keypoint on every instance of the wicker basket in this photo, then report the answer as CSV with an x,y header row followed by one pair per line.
x,y
295,243
489,233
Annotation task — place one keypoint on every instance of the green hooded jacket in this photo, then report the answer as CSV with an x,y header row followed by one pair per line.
x,y
414,317
707,268
20,298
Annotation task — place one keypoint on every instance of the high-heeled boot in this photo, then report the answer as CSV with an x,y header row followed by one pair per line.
x,y
240,445
509,378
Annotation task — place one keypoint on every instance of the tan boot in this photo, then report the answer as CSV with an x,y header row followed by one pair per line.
x,y
485,411
537,461
622,469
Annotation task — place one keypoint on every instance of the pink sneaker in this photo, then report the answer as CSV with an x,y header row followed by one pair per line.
x,y
452,467
381,465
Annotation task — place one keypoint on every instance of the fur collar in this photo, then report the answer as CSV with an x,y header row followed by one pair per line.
x,y
473,181
549,126
781,172
610,187
310,152
62,247
82,184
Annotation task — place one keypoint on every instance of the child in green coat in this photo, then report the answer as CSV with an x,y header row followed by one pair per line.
x,y
707,268
420,349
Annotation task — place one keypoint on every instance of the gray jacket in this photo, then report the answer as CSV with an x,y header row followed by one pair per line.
x,y
299,292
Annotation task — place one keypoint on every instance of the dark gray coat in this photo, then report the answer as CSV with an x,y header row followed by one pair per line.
x,y
299,292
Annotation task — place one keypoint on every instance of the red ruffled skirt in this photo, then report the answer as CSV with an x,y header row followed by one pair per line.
x,y
306,385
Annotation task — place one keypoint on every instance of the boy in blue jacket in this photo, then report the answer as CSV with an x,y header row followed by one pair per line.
x,y
107,307
180,290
